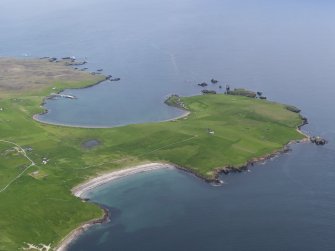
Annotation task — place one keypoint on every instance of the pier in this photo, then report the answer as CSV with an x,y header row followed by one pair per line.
x,y
54,95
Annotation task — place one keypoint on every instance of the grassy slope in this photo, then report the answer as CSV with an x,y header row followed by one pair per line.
x,y
42,210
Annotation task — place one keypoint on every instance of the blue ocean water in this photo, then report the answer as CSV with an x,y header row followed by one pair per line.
x,y
284,48
277,206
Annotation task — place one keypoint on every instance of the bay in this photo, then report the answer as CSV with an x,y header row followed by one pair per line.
x,y
275,206
284,48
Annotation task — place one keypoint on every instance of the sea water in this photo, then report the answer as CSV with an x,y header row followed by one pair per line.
x,y
284,48
276,206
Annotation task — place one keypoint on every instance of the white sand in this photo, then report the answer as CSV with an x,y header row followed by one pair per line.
x,y
82,189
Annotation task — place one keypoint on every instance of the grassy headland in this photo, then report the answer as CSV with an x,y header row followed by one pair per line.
x,y
37,205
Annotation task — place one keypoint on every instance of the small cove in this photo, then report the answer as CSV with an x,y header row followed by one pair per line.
x,y
283,48
267,202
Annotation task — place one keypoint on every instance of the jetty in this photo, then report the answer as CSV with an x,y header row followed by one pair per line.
x,y
208,92
52,60
54,95
76,63
114,79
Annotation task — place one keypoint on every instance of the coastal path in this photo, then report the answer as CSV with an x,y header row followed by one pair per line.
x,y
21,150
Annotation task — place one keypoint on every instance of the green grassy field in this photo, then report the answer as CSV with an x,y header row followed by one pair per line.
x,y
38,207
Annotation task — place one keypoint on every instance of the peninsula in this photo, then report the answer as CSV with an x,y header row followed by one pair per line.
x,y
40,164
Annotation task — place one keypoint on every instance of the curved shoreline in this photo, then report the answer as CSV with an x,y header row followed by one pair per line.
x,y
45,111
82,189
74,234
35,117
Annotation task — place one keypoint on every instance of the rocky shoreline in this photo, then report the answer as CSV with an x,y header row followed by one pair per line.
x,y
232,169
65,243
73,63
51,96
82,189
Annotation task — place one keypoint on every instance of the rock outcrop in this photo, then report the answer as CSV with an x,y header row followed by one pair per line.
x,y
318,140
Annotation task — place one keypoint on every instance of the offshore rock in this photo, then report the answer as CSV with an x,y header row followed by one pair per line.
x,y
318,141
114,79
203,84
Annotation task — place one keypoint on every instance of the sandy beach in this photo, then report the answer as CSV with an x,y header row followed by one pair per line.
x,y
183,116
82,189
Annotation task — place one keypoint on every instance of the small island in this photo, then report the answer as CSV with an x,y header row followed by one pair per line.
x,y
43,165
